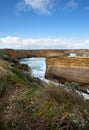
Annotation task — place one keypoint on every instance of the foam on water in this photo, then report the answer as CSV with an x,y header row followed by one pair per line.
x,y
37,65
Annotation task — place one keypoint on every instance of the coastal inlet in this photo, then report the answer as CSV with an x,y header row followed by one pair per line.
x,y
37,65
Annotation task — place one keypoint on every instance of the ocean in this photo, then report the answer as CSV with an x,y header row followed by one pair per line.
x,y
37,65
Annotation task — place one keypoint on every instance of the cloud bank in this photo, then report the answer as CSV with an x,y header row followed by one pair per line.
x,y
43,43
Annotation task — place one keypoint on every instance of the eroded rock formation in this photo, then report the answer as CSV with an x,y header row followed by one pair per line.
x,y
74,69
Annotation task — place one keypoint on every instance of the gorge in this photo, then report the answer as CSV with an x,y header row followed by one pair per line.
x,y
62,65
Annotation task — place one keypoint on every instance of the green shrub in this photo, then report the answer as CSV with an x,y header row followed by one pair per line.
x,y
53,108
6,57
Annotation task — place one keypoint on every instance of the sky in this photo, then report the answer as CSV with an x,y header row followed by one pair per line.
x,y
44,24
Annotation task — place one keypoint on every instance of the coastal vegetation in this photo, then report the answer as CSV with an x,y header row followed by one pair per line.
x,y
27,103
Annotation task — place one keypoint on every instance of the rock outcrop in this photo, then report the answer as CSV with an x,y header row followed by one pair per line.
x,y
72,69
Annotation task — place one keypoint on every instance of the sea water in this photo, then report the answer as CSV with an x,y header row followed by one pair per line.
x,y
38,68
37,65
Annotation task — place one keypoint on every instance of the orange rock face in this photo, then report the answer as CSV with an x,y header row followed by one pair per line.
x,y
44,53
74,69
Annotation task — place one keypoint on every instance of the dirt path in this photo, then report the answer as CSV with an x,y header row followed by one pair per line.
x,y
7,102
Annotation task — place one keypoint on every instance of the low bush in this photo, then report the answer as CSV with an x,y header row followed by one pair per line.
x,y
53,108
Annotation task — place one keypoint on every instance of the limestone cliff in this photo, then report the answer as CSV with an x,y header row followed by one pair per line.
x,y
68,69
43,53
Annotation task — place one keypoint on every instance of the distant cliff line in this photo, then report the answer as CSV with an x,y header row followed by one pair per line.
x,y
45,53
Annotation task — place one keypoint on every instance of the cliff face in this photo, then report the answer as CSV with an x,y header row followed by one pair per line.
x,y
18,54
68,69
43,53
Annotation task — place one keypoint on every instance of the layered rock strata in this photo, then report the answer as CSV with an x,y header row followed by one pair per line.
x,y
72,69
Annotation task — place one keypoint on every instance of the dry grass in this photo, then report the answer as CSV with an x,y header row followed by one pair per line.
x,y
4,68
52,108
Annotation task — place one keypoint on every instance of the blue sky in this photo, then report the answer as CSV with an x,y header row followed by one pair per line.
x,y
44,24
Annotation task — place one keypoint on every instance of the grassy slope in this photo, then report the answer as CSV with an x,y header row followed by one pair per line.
x,y
33,105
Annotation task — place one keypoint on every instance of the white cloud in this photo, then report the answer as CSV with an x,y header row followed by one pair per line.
x,y
71,4
87,41
43,43
38,6
46,6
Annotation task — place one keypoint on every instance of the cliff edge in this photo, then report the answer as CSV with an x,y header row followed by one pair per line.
x,y
73,69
